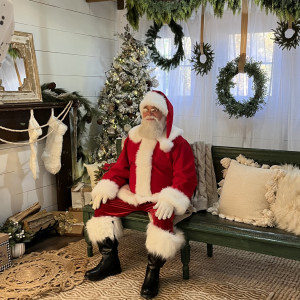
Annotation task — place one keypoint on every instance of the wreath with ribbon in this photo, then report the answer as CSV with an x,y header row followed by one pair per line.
x,y
165,63
287,42
246,108
202,67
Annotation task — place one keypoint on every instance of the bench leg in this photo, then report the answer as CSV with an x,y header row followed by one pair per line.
x,y
185,259
89,244
209,248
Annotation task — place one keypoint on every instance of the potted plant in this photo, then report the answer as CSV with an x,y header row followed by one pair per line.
x,y
17,237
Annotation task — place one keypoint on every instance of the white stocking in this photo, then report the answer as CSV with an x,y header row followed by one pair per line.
x,y
52,152
34,131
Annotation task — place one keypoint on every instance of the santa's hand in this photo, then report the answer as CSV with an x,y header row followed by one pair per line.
x,y
164,210
104,190
98,199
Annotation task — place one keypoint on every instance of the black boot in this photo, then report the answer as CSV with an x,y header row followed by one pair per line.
x,y
109,264
151,282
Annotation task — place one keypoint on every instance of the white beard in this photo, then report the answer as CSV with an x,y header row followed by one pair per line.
x,y
152,129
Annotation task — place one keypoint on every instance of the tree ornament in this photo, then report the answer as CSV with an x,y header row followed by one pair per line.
x,y
111,108
99,121
111,130
88,118
201,66
129,102
165,63
127,127
281,38
246,108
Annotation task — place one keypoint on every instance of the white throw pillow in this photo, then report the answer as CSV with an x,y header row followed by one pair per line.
x,y
246,192
91,169
286,207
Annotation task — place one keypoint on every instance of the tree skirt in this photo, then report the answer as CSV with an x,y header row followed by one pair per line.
x,y
39,273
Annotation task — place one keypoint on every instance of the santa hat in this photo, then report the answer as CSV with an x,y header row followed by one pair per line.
x,y
161,102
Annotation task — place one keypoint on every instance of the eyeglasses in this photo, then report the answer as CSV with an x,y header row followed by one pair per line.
x,y
152,110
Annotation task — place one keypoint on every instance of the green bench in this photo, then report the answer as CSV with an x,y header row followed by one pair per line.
x,y
212,230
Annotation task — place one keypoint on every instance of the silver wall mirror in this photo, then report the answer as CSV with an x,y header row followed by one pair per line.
x,y
19,79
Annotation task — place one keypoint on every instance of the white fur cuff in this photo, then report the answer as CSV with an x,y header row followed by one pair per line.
x,y
99,228
163,243
106,187
176,198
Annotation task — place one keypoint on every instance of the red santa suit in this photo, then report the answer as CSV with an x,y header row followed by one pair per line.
x,y
148,171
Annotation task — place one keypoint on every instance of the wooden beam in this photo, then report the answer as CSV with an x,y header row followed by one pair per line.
x,y
96,0
120,3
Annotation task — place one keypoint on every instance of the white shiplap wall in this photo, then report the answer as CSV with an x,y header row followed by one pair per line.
x,y
75,45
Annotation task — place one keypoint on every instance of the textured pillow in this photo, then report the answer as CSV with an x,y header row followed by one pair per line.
x,y
246,192
286,207
91,169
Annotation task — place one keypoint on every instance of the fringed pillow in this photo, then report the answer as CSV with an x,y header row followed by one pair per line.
x,y
286,207
246,192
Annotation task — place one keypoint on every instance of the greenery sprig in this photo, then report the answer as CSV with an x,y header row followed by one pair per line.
x,y
165,63
202,67
282,40
16,232
282,9
246,108
163,11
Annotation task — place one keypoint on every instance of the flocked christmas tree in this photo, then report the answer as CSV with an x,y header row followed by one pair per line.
x,y
126,84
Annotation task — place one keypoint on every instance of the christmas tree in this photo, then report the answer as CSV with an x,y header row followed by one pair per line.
x,y
126,84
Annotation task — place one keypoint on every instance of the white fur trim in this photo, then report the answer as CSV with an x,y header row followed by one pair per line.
x,y
99,228
127,196
176,198
154,99
106,187
134,134
164,143
144,167
163,243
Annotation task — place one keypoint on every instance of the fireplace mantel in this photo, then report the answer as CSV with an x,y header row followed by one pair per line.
x,y
16,116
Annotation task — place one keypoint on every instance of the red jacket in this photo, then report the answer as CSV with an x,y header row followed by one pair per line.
x,y
152,170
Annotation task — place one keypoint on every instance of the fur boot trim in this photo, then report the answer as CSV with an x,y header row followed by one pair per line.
x,y
107,188
163,243
176,198
99,228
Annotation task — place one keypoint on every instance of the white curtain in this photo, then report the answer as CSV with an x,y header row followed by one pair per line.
x,y
276,126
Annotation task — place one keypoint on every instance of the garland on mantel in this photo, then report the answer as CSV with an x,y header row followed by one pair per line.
x,y
162,11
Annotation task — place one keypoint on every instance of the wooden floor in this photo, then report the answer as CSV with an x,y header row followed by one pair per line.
x,y
50,241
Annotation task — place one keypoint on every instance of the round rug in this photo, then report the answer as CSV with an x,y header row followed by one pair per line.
x,y
40,273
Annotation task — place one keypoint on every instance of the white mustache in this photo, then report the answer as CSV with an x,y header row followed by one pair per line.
x,y
151,118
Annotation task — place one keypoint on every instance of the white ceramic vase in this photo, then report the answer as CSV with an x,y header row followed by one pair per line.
x,y
18,250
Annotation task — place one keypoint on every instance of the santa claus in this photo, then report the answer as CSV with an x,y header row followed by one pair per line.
x,y
155,173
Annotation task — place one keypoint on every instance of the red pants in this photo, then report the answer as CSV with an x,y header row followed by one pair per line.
x,y
119,208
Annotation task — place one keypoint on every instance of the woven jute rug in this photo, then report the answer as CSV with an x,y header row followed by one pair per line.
x,y
36,274
229,275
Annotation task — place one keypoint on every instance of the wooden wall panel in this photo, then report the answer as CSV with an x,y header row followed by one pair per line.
x,y
75,46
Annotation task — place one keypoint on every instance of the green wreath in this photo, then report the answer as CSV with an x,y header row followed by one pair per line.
x,y
246,108
165,63
198,66
282,40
